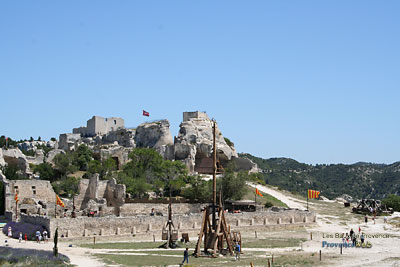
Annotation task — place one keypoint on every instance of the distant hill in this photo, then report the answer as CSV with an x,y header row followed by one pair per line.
x,y
359,180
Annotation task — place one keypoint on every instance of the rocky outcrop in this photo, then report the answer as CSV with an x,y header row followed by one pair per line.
x,y
195,140
153,134
118,153
2,162
37,159
52,154
123,137
33,145
69,141
16,157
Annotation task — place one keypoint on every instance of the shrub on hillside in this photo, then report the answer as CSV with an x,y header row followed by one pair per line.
x,y
392,201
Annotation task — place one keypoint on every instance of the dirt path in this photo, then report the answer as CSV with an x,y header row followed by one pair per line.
x,y
289,201
77,255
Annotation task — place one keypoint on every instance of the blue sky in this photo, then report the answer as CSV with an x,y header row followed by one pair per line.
x,y
317,81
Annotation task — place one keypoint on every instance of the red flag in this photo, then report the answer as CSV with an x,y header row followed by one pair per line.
x,y
145,113
16,197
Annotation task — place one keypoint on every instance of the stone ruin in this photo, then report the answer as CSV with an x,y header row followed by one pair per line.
x,y
108,137
193,145
97,197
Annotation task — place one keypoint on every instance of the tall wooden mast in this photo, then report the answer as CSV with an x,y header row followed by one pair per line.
x,y
217,231
214,178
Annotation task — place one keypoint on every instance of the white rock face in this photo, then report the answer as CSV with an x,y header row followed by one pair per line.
x,y
195,140
154,134
123,137
69,141
52,153
2,162
37,159
15,156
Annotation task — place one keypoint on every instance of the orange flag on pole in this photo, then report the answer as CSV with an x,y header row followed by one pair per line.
x,y
59,202
16,197
258,193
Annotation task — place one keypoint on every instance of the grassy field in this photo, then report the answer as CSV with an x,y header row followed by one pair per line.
x,y
269,242
257,258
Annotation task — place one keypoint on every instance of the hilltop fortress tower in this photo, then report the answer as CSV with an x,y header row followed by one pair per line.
x,y
100,126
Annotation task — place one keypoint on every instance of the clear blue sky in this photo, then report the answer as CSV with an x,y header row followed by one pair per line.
x,y
317,81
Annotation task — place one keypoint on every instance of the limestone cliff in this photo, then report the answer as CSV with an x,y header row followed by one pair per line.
x,y
195,140
155,135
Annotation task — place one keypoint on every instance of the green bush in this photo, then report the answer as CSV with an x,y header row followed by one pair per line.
x,y
67,186
392,201
268,204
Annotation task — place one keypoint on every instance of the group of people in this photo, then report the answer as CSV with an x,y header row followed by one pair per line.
x,y
39,236
351,236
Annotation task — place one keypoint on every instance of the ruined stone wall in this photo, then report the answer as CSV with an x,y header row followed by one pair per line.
x,y
112,225
194,115
32,189
99,126
145,208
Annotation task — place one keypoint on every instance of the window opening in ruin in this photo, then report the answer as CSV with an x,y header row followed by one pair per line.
x,y
23,211
115,122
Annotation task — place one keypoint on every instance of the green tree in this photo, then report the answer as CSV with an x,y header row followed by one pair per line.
x,y
81,157
232,185
45,171
67,186
145,163
63,164
392,201
104,168
12,172
199,190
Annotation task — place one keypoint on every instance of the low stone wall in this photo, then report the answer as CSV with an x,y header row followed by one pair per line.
x,y
112,225
145,208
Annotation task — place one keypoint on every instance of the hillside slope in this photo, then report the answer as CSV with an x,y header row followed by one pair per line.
x,y
359,180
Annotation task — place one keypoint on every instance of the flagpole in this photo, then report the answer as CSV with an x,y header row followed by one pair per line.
x,y
16,211
307,198
55,208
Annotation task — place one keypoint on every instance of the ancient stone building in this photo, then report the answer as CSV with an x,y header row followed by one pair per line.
x,y
30,192
99,126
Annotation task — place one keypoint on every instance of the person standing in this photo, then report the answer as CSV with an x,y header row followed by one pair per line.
x,y
20,237
362,238
26,237
366,219
9,232
351,233
354,239
385,219
185,256
237,251
45,236
37,236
